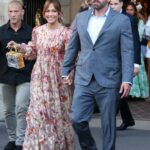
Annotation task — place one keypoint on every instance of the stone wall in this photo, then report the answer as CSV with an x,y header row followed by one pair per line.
x,y
70,8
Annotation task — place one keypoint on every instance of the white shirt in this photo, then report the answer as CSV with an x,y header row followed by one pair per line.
x,y
95,25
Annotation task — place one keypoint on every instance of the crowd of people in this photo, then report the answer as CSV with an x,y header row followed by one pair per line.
x,y
99,61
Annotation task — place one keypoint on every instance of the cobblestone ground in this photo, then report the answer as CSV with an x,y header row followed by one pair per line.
x,y
135,138
140,109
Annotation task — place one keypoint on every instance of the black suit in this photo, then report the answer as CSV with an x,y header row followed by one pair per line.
x,y
136,39
123,104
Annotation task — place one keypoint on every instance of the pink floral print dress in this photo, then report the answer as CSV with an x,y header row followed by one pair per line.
x,y
48,122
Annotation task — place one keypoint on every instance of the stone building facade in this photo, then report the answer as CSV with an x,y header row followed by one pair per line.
x,y
69,8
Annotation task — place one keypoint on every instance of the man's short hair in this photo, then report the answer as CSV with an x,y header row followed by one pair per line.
x,y
19,2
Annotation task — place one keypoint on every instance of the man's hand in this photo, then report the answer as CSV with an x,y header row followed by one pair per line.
x,y
67,80
125,89
136,70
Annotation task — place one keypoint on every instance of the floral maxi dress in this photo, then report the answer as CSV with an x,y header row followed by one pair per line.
x,y
48,123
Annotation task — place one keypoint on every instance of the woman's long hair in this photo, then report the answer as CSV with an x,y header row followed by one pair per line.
x,y
57,6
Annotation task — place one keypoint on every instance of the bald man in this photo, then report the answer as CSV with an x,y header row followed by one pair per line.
x,y
15,82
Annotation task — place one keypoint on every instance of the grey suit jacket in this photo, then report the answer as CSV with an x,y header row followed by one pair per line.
x,y
110,59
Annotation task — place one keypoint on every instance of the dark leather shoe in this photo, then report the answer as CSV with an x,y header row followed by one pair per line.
x,y
10,146
18,147
124,126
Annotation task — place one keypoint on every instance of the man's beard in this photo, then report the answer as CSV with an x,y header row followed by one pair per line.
x,y
99,5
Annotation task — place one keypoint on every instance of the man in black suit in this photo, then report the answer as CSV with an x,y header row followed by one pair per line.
x,y
123,104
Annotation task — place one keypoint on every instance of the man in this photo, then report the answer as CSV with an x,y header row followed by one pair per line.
x,y
85,5
123,106
103,47
15,82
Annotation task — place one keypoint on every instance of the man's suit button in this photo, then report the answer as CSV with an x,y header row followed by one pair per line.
x,y
93,49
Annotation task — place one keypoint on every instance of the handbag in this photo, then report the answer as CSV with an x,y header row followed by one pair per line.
x,y
15,59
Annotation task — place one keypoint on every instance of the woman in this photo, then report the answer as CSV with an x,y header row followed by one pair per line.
x,y
140,87
48,123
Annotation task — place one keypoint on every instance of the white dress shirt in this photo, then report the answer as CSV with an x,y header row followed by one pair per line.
x,y
95,25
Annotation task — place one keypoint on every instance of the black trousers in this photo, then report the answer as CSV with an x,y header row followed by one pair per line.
x,y
125,112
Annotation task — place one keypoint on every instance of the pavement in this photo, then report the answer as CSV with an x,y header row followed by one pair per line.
x,y
140,109
134,138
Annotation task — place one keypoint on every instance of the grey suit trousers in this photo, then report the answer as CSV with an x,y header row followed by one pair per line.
x,y
83,104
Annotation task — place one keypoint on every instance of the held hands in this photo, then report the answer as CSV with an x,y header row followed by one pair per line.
x,y
136,70
13,45
125,89
67,80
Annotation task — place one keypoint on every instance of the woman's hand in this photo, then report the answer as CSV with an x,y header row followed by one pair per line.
x,y
67,80
13,45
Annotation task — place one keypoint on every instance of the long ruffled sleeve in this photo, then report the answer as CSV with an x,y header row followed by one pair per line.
x,y
67,37
29,50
